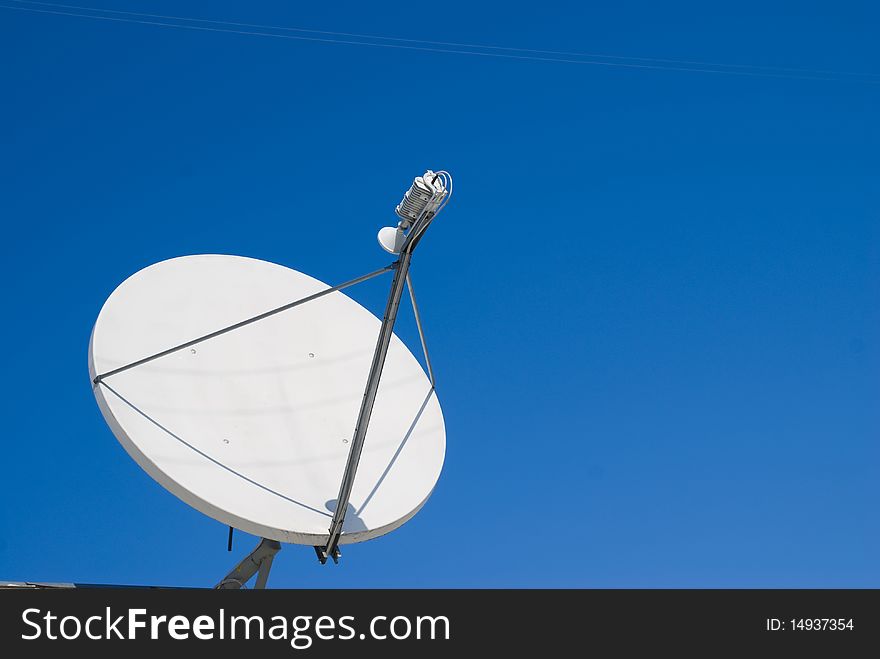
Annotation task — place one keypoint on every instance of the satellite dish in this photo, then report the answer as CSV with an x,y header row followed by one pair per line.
x,y
253,427
239,385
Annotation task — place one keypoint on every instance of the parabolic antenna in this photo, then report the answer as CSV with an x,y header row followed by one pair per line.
x,y
248,389
253,427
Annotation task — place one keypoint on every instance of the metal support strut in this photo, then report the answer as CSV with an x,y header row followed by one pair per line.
x,y
420,205
231,328
400,271
258,562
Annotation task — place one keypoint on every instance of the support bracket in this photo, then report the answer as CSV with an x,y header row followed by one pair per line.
x,y
258,562
321,551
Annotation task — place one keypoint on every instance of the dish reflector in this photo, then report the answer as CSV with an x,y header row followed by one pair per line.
x,y
253,427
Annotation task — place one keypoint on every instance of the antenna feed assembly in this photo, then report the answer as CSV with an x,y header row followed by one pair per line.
x,y
426,197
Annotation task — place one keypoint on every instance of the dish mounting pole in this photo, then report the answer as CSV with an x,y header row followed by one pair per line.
x,y
420,205
258,562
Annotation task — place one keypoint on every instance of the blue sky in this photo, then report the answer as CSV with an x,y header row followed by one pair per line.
x,y
652,305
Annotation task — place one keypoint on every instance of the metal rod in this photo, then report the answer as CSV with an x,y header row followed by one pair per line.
x,y
243,323
259,560
401,277
263,574
363,421
412,298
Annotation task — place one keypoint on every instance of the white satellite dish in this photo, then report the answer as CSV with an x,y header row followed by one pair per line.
x,y
239,385
253,427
